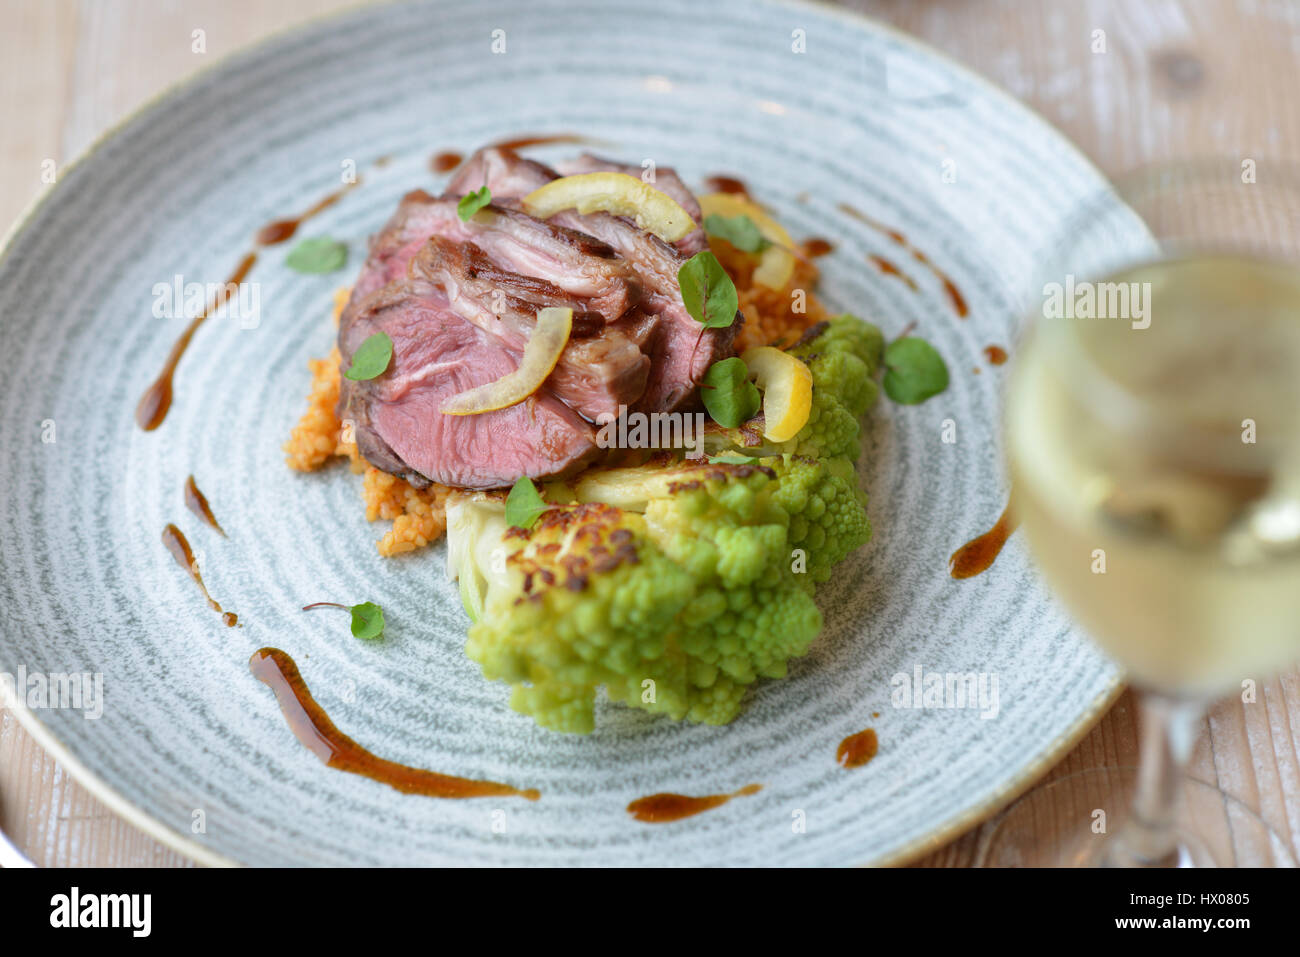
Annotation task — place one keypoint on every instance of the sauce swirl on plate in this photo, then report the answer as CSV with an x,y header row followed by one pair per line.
x,y
174,539
817,246
445,162
857,749
157,399
312,726
663,808
718,183
197,503
955,296
979,553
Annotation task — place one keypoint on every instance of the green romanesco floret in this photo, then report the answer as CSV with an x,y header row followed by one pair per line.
x,y
827,509
843,355
583,599
675,602
676,584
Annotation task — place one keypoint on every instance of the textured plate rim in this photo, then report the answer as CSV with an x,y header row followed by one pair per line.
x,y
201,854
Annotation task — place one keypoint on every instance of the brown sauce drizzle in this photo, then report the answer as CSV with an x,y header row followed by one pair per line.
x,y
857,749
157,399
179,546
197,503
282,229
312,726
995,354
889,269
662,808
445,162
275,232
718,183
954,294
817,246
523,142
978,554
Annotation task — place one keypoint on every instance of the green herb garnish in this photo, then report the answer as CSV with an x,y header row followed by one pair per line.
x,y
524,504
707,291
471,203
740,231
732,458
317,255
367,617
914,371
367,620
371,359
728,394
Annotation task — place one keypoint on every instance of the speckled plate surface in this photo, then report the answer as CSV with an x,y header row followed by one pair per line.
x,y
862,116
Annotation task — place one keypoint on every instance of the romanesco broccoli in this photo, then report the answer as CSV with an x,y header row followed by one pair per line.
x,y
675,584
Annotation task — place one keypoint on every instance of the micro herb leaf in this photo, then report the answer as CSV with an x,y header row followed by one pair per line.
x,y
740,231
707,291
914,371
524,504
471,203
728,394
317,255
732,458
367,620
371,359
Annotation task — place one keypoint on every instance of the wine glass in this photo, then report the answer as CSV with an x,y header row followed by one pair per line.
x,y
1152,434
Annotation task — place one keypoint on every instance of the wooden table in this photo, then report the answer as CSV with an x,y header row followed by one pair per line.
x,y
1176,79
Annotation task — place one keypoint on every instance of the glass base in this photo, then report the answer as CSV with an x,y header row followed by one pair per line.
x,y
1073,821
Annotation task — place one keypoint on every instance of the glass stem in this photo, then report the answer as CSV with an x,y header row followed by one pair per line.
x,y
1167,729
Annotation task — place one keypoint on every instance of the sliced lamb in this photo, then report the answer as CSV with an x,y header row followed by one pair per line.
x,y
666,181
392,248
503,171
460,300
595,375
436,354
680,353
569,259
574,262
681,350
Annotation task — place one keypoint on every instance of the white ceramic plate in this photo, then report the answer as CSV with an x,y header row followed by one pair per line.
x,y
863,116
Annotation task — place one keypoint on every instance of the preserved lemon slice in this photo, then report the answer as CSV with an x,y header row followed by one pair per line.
x,y
616,193
787,391
776,262
542,352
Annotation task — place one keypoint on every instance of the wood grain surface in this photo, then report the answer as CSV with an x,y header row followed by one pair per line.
x,y
1176,79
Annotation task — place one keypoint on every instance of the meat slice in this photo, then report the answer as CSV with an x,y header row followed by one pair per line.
x,y
569,259
573,262
594,376
501,170
436,354
638,326
680,350
665,180
464,270
392,248
460,301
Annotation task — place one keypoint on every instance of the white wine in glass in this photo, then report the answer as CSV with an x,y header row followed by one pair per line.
x,y
1156,473
1152,434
